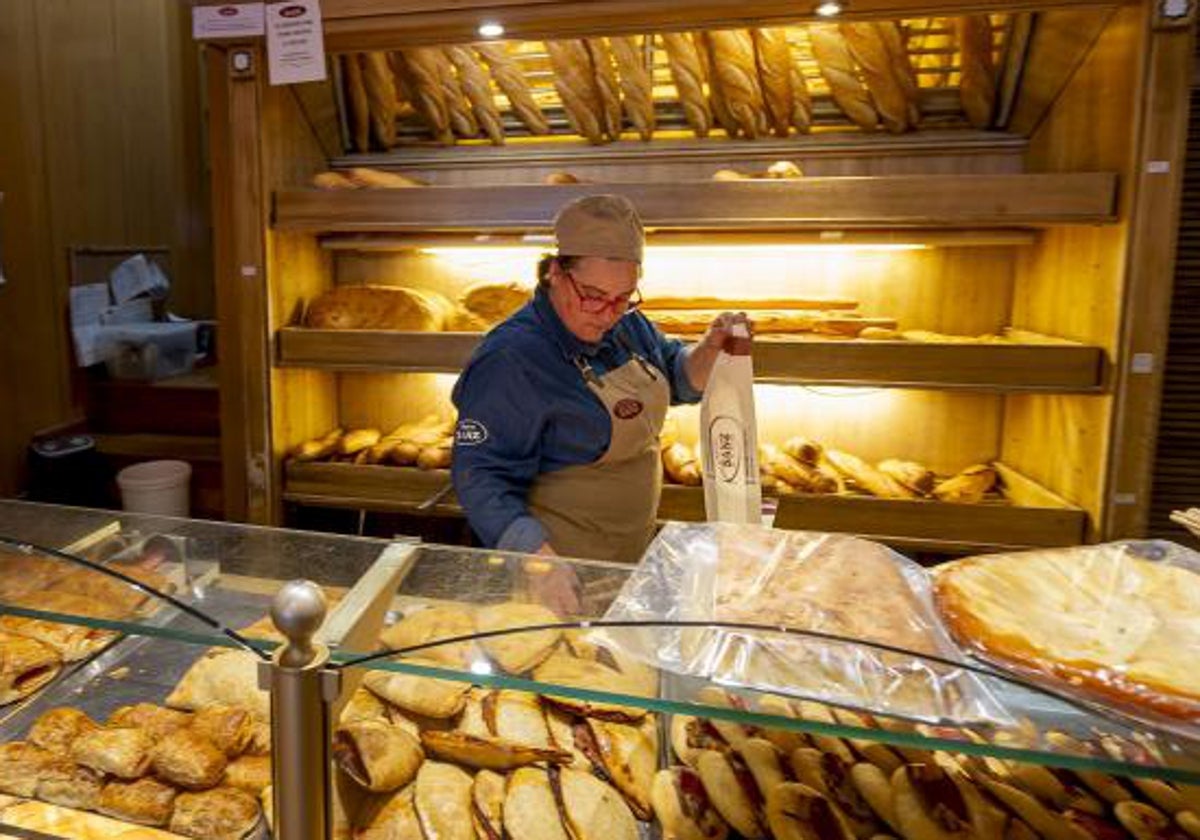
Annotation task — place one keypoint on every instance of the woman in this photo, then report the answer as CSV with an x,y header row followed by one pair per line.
x,y
560,408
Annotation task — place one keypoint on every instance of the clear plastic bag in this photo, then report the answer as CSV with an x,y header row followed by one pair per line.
x,y
893,657
1115,626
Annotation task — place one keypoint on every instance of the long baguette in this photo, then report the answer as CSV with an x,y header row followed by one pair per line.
x,y
869,51
514,86
576,85
737,77
420,67
381,97
914,476
362,176
318,448
608,86
867,477
687,72
358,102
716,98
637,87
893,39
478,90
977,85
734,303
837,67
775,72
969,486
802,107
462,118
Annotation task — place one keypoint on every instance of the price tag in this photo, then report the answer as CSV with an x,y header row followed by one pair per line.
x,y
231,20
295,42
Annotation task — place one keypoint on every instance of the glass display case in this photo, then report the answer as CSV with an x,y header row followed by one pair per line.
x,y
467,693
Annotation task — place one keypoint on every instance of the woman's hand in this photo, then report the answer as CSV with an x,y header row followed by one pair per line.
x,y
553,585
703,356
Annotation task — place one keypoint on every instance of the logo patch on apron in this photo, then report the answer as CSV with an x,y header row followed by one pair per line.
x,y
470,433
628,408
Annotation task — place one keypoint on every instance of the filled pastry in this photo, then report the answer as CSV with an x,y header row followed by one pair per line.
x,y
219,814
517,653
443,799
156,720
73,642
229,728
487,805
591,809
487,752
419,695
117,751
683,808
429,625
21,766
63,782
222,676
188,759
378,756
251,773
145,801
25,666
57,729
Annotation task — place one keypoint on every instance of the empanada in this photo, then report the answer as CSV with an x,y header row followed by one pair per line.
x,y
683,808
797,812
431,624
376,755
145,801
57,729
229,728
593,810
396,820
487,805
530,807
516,717
443,801
517,653
425,696
630,756
219,814
563,669
732,792
117,751
487,752
25,666
831,777
222,676
188,759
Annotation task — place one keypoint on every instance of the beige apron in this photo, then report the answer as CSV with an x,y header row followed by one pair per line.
x,y
606,510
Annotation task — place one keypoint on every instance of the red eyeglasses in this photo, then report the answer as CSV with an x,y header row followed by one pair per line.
x,y
594,302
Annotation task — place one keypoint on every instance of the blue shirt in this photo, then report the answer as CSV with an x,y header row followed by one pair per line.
x,y
525,409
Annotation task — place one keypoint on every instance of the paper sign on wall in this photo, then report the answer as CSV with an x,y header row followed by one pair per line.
x,y
295,42
230,20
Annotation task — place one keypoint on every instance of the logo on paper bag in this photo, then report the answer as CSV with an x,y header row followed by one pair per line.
x,y
228,11
470,433
628,408
291,11
725,444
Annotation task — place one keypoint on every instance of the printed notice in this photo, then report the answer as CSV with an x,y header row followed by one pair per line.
x,y
231,20
295,42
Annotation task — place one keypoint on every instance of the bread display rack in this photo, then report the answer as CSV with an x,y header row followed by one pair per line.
x,y
1002,207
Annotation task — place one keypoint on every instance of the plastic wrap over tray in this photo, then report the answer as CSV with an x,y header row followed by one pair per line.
x,y
1116,626
828,584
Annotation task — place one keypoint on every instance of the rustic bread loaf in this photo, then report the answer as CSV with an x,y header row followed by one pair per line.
x,y
379,308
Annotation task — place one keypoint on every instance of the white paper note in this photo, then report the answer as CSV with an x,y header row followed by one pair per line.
x,y
137,276
231,20
295,42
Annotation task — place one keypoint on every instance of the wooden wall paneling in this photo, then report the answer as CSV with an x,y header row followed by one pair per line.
x,y
33,343
1151,263
1070,283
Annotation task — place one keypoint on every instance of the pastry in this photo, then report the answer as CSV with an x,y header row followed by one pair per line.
x,y
487,805
575,82
797,812
870,52
570,735
683,808
687,72
120,752
875,788
381,97
977,83
71,785
515,87
737,78
785,740
837,67
73,642
395,820
487,752
637,86
420,627
969,486
21,766
517,653
419,695
229,728
155,720
881,755
376,755
630,757
804,450
607,86
916,477
932,803
421,67
443,800
733,792
366,307
831,744
775,73
692,736
145,801
762,760
251,773
478,90
681,465
57,729
830,776
530,807
516,717
220,814
357,102
222,676
868,478
591,809
565,670
187,759
25,666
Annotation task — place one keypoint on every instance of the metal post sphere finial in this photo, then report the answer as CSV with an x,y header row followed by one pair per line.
x,y
297,610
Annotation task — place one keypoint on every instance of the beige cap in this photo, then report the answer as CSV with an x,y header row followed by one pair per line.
x,y
600,226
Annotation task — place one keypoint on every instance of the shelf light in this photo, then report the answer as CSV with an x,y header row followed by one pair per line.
x,y
491,29
829,9
700,250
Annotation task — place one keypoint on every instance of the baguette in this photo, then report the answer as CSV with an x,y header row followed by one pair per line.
x,y
737,77
607,86
849,325
332,181
478,91
404,454
680,465
436,457
318,448
462,117
804,450
977,84
420,68
357,102
637,86
868,49
381,97
357,440
867,477
362,176
697,321
803,477
716,99
837,67
802,108
775,73
576,85
893,39
734,303
515,87
969,486
914,476
687,72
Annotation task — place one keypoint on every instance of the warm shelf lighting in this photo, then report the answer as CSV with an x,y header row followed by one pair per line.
x,y
480,251
829,9
491,29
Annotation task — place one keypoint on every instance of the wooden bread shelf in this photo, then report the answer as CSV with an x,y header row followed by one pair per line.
x,y
927,525
1004,200
1003,367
